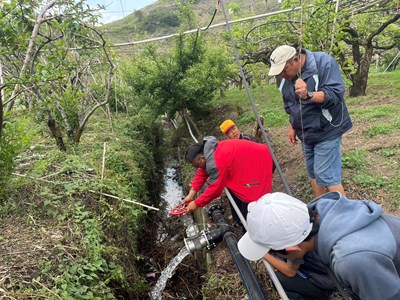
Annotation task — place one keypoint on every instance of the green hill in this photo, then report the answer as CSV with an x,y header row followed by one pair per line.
x,y
161,18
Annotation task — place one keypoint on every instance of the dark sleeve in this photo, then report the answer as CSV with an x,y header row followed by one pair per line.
x,y
331,82
249,137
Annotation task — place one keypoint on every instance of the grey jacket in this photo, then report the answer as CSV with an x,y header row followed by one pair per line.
x,y
360,244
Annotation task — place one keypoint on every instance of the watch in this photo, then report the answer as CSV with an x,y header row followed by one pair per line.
x,y
309,95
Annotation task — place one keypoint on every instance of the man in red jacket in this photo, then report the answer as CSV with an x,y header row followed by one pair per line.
x,y
244,167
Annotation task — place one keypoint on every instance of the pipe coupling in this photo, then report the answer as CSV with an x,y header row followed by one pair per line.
x,y
199,241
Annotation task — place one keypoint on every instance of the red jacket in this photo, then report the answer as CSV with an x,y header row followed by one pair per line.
x,y
244,167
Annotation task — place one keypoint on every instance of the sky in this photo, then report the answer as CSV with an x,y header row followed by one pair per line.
x,y
117,9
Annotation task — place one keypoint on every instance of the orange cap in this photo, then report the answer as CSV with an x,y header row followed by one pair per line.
x,y
226,125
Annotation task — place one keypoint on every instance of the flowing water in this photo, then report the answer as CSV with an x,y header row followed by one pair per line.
x,y
173,196
167,273
173,190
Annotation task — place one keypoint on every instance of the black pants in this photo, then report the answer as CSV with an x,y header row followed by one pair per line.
x,y
242,207
302,286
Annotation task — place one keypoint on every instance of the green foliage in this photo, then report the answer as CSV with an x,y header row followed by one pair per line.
x,y
387,152
87,276
380,129
274,117
186,15
15,137
354,159
268,101
96,254
162,17
186,79
372,182
62,83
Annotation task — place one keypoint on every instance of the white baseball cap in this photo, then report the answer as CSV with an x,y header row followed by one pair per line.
x,y
276,221
279,57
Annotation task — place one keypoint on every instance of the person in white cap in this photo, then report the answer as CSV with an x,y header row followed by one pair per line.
x,y
354,238
313,89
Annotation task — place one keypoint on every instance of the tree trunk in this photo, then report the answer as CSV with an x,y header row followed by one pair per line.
x,y
78,134
360,78
56,132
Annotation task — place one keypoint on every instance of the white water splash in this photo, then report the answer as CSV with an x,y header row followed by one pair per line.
x,y
173,191
167,273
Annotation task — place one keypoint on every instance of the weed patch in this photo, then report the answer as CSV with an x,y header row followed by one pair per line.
x,y
354,159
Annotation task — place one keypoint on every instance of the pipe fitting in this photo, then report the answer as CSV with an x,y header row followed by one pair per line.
x,y
199,241
208,238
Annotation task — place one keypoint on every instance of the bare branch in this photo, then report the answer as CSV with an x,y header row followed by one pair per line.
x,y
108,88
29,52
382,27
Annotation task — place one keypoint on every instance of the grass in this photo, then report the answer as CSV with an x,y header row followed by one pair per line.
x,y
267,100
370,181
354,159
387,152
376,112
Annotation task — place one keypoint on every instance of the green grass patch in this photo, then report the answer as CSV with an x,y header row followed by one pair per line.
x,y
380,129
375,112
369,181
387,152
354,159
390,81
267,100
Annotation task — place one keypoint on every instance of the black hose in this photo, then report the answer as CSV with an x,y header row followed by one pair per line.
x,y
246,273
249,279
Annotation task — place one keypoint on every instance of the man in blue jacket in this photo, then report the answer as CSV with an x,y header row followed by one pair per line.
x,y
313,94
354,238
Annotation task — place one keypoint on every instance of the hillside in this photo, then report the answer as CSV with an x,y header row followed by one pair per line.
x,y
160,18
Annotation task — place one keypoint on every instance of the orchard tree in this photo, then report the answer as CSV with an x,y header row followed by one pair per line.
x,y
53,62
352,32
182,82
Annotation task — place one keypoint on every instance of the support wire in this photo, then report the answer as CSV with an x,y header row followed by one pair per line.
x,y
270,270
264,135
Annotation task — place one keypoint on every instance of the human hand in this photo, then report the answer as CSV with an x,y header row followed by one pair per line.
x,y
191,207
187,199
301,88
292,136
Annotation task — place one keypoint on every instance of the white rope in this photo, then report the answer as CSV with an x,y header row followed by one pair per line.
x,y
195,30
299,76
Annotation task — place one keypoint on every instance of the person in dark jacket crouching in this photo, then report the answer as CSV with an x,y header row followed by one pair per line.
x,y
352,238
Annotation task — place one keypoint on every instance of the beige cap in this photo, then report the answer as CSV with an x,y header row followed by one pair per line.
x,y
279,57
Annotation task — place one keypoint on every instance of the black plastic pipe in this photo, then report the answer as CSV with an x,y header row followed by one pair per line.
x,y
246,273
